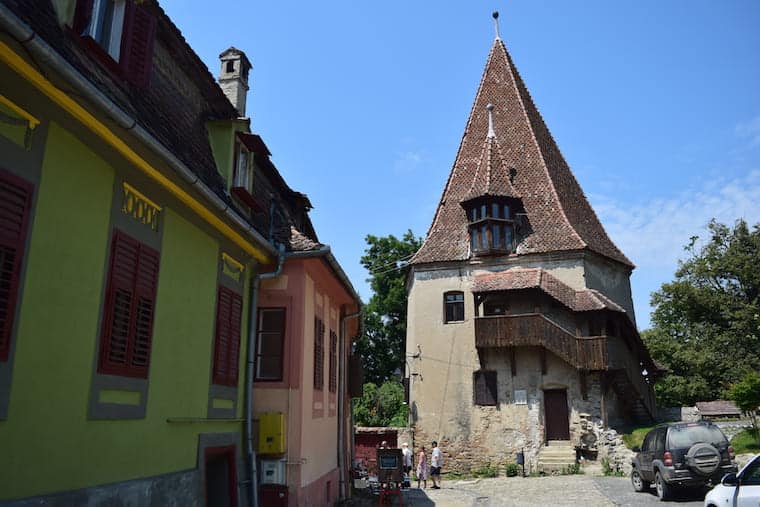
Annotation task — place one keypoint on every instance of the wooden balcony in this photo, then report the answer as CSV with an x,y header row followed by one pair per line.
x,y
592,353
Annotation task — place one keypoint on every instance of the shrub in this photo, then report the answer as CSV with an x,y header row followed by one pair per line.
x,y
609,471
487,471
513,469
574,469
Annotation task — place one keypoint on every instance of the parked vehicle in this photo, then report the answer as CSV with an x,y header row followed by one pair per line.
x,y
740,490
681,455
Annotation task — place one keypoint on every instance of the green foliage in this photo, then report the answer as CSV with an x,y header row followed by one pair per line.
x,y
513,469
745,443
382,345
746,395
383,406
706,322
574,469
609,471
635,437
487,471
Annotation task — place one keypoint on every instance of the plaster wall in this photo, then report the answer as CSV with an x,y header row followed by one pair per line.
x,y
612,280
442,382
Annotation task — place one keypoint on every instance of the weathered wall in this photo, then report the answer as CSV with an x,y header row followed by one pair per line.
x,y
442,392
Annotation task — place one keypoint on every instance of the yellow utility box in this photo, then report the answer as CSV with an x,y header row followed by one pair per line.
x,y
272,433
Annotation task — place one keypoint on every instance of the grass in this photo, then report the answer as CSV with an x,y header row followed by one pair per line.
x,y
744,443
636,437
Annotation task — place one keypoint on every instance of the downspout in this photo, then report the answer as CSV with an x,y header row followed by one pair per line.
x,y
253,499
341,401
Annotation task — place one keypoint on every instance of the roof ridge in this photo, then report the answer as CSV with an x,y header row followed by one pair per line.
x,y
544,165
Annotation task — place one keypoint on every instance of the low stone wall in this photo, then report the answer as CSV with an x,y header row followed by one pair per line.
x,y
613,449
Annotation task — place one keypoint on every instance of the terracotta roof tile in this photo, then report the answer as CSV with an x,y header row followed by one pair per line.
x,y
537,278
558,213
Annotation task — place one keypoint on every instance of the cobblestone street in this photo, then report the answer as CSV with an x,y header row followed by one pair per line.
x,y
567,490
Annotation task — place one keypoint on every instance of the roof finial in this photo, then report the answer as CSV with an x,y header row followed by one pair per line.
x,y
496,23
491,131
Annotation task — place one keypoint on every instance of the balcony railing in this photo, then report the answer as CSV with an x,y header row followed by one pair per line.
x,y
582,352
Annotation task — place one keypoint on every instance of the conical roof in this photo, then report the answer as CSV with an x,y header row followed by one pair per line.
x,y
559,216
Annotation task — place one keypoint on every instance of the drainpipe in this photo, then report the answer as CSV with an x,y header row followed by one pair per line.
x,y
252,330
341,401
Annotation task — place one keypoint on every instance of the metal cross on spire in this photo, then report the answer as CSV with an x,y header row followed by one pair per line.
x,y
496,23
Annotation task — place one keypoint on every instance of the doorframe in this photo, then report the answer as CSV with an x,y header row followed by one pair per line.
x,y
564,390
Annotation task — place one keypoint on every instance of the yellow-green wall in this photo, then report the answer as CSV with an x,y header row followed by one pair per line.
x,y
47,443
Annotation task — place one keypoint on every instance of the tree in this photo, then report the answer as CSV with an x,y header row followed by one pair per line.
x,y
382,347
746,395
383,406
706,323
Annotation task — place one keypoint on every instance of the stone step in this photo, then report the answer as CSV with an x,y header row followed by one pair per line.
x,y
559,443
556,460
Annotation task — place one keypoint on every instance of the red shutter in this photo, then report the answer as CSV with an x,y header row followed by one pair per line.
x,y
129,308
333,362
82,15
229,311
319,354
137,38
15,203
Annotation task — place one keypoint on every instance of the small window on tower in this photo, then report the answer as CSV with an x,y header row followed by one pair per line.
x,y
230,66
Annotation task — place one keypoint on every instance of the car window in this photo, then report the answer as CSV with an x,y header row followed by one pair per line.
x,y
751,474
686,436
647,444
660,440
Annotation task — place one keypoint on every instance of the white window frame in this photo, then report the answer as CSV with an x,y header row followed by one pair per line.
x,y
98,22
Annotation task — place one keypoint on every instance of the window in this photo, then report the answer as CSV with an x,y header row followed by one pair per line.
x,y
454,307
129,308
229,306
484,388
333,362
270,343
15,202
242,176
492,227
319,354
122,31
230,66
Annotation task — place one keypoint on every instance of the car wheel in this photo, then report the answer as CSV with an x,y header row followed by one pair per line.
x,y
639,484
664,490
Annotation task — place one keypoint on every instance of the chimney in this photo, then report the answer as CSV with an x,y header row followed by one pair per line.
x,y
233,78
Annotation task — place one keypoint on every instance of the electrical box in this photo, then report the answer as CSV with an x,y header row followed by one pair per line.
x,y
272,433
272,471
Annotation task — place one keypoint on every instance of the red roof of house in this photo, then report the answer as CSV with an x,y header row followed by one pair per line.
x,y
560,217
536,278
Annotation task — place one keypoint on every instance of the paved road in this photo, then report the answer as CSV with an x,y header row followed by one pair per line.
x,y
569,490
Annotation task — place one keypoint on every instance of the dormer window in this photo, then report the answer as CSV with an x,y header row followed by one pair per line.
x,y
491,227
120,34
243,162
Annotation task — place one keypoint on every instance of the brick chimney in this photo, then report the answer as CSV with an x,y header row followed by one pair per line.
x,y
233,78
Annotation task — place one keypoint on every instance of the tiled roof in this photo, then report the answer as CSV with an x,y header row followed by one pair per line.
x,y
299,242
559,215
537,278
491,175
718,407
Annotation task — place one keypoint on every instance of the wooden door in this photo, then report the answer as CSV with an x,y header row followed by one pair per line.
x,y
556,414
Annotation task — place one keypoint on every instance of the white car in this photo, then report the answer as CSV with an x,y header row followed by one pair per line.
x,y
738,490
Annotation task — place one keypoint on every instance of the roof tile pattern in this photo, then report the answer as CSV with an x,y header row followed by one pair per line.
x,y
491,175
535,278
558,212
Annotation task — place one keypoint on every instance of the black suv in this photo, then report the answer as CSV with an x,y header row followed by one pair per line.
x,y
680,455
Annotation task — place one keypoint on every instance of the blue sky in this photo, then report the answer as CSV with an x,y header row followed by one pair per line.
x,y
654,104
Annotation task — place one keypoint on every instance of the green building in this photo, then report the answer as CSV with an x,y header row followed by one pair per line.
x,y
130,237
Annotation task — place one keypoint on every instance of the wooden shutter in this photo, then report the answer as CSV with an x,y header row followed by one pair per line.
x,y
333,386
319,355
484,387
129,309
15,203
82,16
229,307
137,39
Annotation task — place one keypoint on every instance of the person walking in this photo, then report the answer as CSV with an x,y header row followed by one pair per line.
x,y
407,462
422,467
436,462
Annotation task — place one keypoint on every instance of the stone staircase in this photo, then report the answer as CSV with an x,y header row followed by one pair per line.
x,y
556,456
